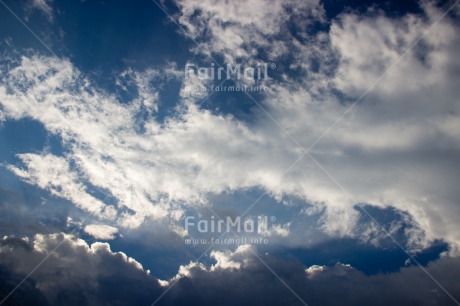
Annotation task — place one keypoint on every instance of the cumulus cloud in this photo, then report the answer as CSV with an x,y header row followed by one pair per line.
x,y
339,284
77,273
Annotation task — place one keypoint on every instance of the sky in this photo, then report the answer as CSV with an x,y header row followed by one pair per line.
x,y
259,152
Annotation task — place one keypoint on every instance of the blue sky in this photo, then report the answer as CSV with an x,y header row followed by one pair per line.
x,y
343,156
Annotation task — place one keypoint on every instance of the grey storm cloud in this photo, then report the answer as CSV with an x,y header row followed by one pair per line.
x,y
81,274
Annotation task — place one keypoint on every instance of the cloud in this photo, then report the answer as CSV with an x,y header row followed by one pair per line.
x,y
101,231
281,230
396,151
147,85
53,173
44,6
230,260
396,148
77,273
238,29
239,277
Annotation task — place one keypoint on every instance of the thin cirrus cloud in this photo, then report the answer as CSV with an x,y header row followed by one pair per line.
x,y
42,6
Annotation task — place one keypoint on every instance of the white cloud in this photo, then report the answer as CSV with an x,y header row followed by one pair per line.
x,y
231,260
237,29
101,231
44,6
314,270
268,230
53,174
146,83
398,147
223,261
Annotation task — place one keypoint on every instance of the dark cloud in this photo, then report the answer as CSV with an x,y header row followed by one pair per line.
x,y
341,284
75,274
78,274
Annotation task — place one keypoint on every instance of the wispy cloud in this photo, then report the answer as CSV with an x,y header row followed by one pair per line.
x,y
386,151
43,6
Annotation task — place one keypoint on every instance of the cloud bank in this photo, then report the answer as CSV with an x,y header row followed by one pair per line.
x,y
78,273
